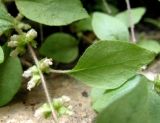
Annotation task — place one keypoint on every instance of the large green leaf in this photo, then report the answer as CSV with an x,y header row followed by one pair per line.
x,y
2,6
108,64
137,103
61,47
52,12
128,105
6,21
1,55
107,27
10,79
151,45
136,15
108,97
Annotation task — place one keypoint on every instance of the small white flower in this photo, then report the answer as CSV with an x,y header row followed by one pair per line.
x,y
14,37
31,34
47,61
66,98
12,44
32,83
27,73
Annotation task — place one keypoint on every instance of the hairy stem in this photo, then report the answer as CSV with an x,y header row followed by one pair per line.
x,y
43,83
133,38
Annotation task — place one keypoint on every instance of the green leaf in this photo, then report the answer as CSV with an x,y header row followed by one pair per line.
x,y
109,64
137,103
128,105
108,97
6,21
1,55
155,22
2,6
83,25
107,27
136,15
151,45
10,80
52,12
60,47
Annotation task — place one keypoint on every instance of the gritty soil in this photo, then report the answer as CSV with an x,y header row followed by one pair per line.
x,y
22,108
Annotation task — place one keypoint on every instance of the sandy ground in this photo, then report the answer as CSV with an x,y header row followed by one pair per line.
x,y
22,108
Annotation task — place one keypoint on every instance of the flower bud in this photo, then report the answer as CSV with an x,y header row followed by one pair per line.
x,y
31,34
33,82
12,44
14,37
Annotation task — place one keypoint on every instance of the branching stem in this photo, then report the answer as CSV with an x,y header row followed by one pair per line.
x,y
43,83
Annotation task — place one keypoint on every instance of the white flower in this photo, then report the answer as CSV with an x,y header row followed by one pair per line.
x,y
14,38
47,61
32,83
12,43
31,34
27,73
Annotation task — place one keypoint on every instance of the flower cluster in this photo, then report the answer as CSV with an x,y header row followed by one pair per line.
x,y
33,72
19,42
61,106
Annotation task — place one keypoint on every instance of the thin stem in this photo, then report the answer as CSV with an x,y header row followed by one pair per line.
x,y
133,38
44,84
107,6
59,71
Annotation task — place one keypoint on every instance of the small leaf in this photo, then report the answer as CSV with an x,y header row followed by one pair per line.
x,y
6,21
60,47
109,64
1,55
52,12
10,80
151,45
83,25
136,15
155,22
107,27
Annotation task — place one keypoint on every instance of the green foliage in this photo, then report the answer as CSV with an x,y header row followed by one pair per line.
x,y
83,25
10,80
107,27
52,12
1,55
2,5
109,64
61,47
136,15
6,21
137,103
151,45
153,21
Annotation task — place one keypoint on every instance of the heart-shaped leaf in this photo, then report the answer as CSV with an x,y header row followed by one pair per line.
x,y
136,15
109,64
61,47
10,80
1,55
52,12
107,27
